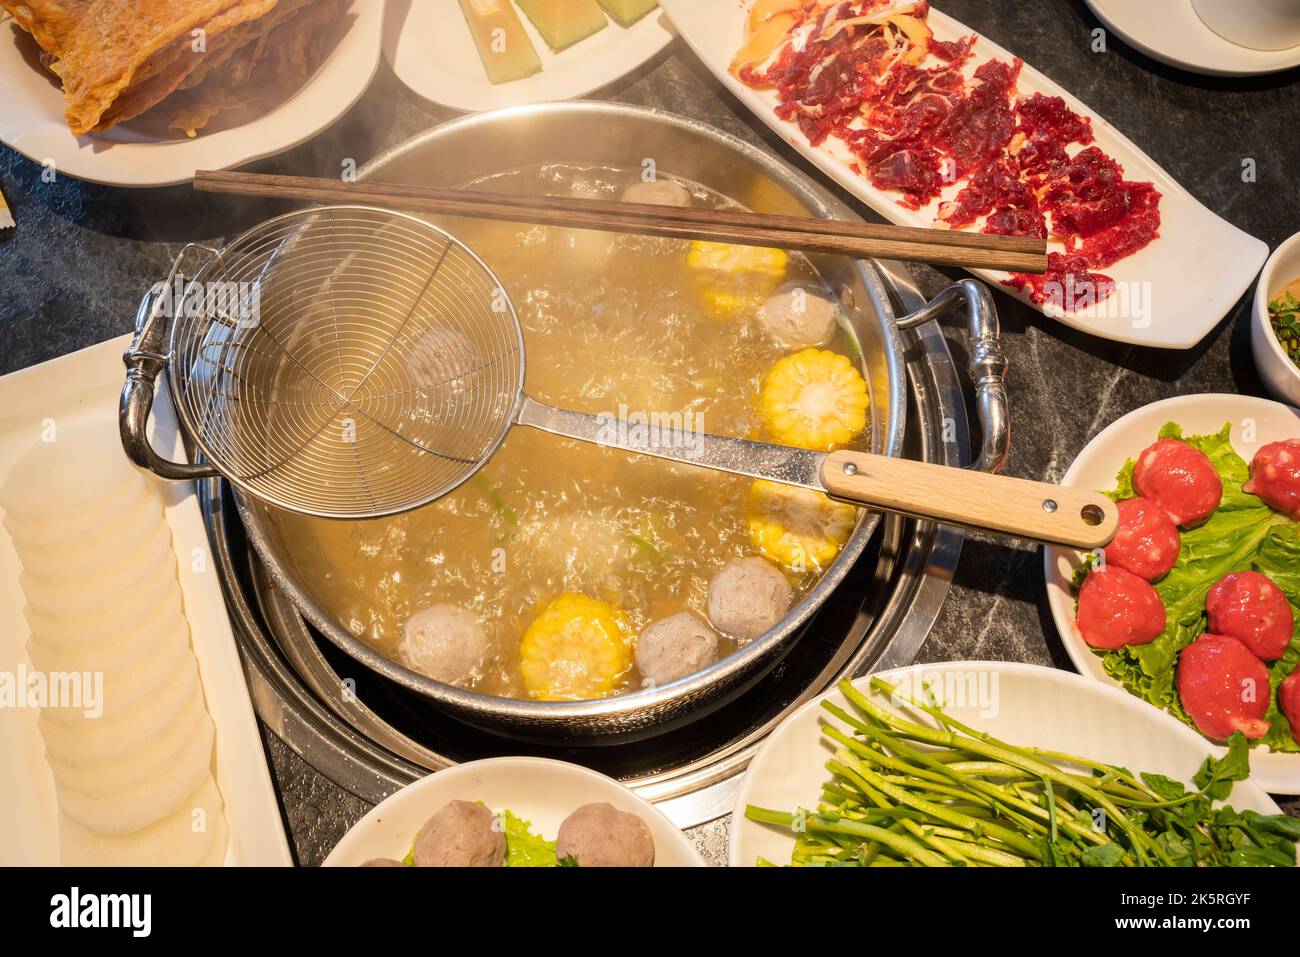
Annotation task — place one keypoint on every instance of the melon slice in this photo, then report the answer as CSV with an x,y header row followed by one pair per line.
x,y
562,23
503,46
627,12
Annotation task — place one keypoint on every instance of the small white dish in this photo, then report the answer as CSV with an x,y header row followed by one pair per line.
x,y
1280,373
1018,703
1255,422
1171,31
32,121
87,385
430,48
1160,300
1257,24
538,790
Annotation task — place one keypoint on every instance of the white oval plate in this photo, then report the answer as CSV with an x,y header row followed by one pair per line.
x,y
432,51
1170,306
1019,703
1096,468
1171,32
31,116
539,790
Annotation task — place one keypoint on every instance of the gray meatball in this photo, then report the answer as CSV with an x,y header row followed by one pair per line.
x,y
675,647
600,835
382,862
462,834
797,316
444,642
748,597
659,192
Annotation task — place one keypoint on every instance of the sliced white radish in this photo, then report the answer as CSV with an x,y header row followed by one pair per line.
x,y
114,809
169,842
111,736
126,650
100,776
124,691
161,596
69,597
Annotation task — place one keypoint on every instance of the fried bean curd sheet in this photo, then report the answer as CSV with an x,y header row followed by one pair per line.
x,y
279,61
118,58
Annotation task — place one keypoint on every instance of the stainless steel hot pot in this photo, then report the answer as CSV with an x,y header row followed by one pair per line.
x,y
616,135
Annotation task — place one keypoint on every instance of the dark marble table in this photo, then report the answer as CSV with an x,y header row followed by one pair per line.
x,y
73,272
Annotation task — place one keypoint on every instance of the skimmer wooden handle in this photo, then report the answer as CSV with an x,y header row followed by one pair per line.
x,y
1035,510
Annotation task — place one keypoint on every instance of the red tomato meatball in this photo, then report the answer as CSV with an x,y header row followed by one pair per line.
x,y
1275,476
1147,542
1179,479
1223,687
1288,699
1249,607
1117,608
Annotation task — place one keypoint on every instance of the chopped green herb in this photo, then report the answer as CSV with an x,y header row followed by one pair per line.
x,y
1284,312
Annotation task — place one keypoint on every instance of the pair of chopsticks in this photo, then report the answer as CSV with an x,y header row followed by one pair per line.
x,y
943,247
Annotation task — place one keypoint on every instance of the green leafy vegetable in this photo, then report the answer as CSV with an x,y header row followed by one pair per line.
x,y
1284,312
947,795
523,847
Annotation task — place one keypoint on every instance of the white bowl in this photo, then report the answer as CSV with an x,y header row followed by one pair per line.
x,y
1021,704
1280,374
539,790
1096,468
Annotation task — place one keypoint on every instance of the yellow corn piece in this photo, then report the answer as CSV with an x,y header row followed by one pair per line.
x,y
576,649
814,399
797,528
736,279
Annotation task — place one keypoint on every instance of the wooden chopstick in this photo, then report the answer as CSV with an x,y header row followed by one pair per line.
x,y
860,240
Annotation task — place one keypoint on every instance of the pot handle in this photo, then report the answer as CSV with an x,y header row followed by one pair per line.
x,y
987,365
145,360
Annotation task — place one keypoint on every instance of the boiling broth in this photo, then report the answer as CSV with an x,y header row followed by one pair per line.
x,y
612,324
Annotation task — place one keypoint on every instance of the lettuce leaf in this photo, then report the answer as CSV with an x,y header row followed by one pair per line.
x,y
1241,533
1279,559
523,847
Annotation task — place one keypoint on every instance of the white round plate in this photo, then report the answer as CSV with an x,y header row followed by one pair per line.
x,y
430,48
1096,468
539,790
32,122
1170,31
1019,703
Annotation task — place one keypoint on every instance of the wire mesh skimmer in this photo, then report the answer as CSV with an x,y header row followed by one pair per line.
x,y
352,362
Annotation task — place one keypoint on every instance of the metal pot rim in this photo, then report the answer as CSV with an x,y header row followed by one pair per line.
x,y
497,710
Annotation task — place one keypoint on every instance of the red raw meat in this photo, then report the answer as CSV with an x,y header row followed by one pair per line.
x,y
1248,606
1179,479
914,129
1118,608
1275,476
1288,699
1147,543
1223,687
1069,284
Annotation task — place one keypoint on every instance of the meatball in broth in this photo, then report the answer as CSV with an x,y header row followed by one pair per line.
x,y
443,642
798,317
600,835
748,597
675,647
